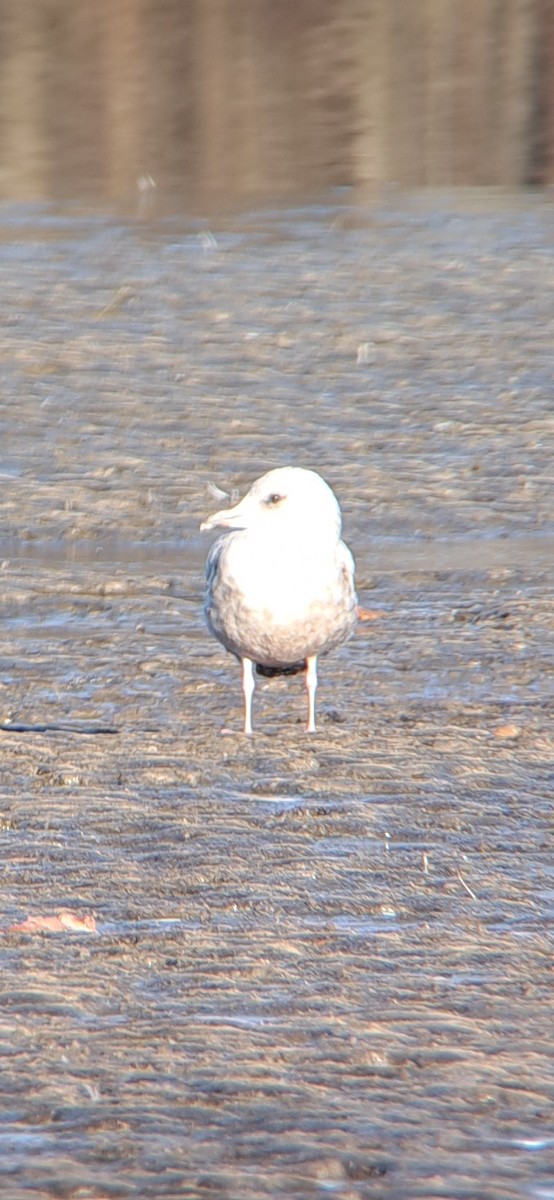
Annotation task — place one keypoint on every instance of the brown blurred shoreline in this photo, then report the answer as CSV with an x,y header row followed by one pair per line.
x,y
165,106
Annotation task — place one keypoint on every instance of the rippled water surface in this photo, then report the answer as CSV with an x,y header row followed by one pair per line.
x,y
321,965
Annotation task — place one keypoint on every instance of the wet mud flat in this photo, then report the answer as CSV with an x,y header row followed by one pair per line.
x,y
321,965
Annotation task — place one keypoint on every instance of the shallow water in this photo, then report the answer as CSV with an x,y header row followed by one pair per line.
x,y
389,555
322,965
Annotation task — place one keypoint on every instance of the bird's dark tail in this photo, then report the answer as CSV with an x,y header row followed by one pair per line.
x,y
270,672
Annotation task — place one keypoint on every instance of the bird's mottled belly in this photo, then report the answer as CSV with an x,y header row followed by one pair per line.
x,y
278,635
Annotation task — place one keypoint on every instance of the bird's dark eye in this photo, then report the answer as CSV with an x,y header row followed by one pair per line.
x,y
274,498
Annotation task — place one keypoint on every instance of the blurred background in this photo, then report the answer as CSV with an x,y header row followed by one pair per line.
x,y
162,104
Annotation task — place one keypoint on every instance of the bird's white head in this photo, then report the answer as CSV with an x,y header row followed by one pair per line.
x,y
287,502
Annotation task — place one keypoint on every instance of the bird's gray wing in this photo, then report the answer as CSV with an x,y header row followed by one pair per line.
x,y
347,568
212,561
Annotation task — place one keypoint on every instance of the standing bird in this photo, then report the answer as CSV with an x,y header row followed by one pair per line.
x,y
280,582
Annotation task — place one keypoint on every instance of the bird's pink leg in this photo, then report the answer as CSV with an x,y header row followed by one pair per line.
x,y
311,685
248,686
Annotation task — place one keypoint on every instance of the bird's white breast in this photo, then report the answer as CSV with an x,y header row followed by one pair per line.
x,y
281,581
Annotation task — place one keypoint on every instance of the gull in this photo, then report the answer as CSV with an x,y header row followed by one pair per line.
x,y
280,582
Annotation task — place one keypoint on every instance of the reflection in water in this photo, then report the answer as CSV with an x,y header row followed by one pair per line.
x,y
217,103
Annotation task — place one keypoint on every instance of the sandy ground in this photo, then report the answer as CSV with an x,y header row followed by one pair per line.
x,y
321,965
